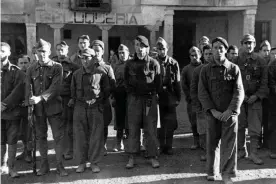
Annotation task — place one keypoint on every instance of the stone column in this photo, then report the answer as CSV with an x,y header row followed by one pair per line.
x,y
31,37
249,21
57,35
105,29
152,30
168,29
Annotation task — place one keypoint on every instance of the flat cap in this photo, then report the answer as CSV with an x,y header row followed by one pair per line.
x,y
221,40
98,43
42,45
161,43
62,44
88,52
142,40
204,39
248,38
122,47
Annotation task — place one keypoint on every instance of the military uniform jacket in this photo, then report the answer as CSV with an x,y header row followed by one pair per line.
x,y
143,77
75,58
46,82
171,90
220,87
254,74
12,91
119,69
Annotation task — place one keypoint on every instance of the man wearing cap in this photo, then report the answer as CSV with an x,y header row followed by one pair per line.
x,y
120,97
143,82
89,90
232,52
83,43
98,47
204,40
169,96
254,75
196,105
12,85
186,78
44,78
67,115
221,93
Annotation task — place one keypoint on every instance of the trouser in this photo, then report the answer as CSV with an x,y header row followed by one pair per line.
x,y
67,117
266,131
89,133
57,126
120,109
107,117
142,112
251,117
272,123
201,127
25,133
168,120
192,119
221,142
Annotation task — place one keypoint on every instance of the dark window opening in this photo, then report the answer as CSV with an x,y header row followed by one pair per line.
x,y
262,32
89,3
67,34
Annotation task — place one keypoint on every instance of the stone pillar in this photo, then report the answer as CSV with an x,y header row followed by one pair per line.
x,y
105,29
249,21
57,35
31,37
168,29
152,30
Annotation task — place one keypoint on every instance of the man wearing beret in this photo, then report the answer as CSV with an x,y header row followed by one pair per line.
x,y
143,82
120,97
254,75
186,78
83,43
67,115
89,90
12,85
221,93
98,47
169,97
44,78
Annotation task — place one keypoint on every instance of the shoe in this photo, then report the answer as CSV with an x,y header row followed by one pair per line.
x,y
211,178
44,169
203,158
105,151
61,171
142,148
95,168
227,180
241,154
67,157
272,155
11,160
80,168
130,163
154,163
13,173
254,158
28,158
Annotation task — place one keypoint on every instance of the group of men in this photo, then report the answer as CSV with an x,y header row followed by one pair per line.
x,y
75,95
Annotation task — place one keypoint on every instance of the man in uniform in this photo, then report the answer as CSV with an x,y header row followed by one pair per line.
x,y
204,40
254,75
45,78
272,55
169,97
186,77
221,93
120,97
98,47
196,105
67,115
25,129
12,85
232,52
83,43
89,90
143,82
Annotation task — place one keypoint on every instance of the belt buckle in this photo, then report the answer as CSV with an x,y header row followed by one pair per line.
x,y
247,77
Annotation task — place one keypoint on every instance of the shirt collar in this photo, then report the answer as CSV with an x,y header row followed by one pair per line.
x,y
48,64
7,66
226,63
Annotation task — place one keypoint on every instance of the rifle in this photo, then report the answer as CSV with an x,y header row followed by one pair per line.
x,y
32,124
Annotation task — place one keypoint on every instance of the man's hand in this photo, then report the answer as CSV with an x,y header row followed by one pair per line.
x,y
35,100
226,115
3,106
252,99
71,103
216,114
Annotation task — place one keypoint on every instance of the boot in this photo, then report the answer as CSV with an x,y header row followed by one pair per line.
x,y
118,145
95,168
253,151
11,160
154,163
195,143
4,169
130,163
61,171
202,141
81,168
44,166
58,149
242,154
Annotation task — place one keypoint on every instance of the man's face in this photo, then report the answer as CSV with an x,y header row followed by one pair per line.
x,y
232,54
123,55
162,51
99,52
195,57
86,61
43,54
140,49
265,51
207,55
272,54
248,46
5,53
61,51
23,63
218,51
83,44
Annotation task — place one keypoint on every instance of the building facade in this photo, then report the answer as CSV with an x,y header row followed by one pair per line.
x,y
181,23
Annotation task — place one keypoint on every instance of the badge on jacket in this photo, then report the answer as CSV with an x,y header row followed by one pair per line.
x,y
247,77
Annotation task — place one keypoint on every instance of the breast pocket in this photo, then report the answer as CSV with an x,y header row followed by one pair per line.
x,y
48,81
256,71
